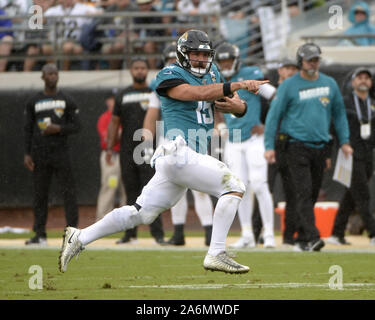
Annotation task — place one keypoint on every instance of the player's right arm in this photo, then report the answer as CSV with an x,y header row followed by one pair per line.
x,y
211,92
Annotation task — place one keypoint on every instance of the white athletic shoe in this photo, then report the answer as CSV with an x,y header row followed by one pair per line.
x,y
222,262
243,243
337,241
269,242
333,240
71,247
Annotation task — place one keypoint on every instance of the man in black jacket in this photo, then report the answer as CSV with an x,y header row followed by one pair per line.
x,y
131,105
360,109
51,115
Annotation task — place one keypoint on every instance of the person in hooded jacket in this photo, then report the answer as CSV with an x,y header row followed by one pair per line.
x,y
359,16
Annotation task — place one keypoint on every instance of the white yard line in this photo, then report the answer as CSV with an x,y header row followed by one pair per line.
x,y
287,285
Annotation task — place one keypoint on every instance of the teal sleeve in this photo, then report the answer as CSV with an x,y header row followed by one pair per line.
x,y
277,108
339,117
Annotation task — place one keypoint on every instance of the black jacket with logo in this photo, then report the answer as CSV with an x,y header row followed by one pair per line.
x,y
40,111
131,106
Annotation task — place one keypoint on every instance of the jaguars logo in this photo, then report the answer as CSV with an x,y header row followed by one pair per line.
x,y
144,104
184,37
324,101
213,76
373,107
59,112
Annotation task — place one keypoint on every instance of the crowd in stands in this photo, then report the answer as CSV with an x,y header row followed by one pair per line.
x,y
70,38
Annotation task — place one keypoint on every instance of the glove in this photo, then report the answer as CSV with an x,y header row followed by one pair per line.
x,y
147,154
170,147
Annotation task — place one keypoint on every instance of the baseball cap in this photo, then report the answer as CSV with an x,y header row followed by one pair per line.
x,y
310,51
359,70
288,62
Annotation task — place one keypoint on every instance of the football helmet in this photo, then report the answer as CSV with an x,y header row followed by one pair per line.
x,y
169,52
194,40
224,51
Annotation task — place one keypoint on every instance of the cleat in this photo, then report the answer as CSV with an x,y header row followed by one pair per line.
x,y
316,245
224,263
337,241
300,247
161,241
177,240
71,247
127,240
243,243
269,242
40,241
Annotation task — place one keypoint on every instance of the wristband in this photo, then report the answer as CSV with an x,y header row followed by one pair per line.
x,y
226,89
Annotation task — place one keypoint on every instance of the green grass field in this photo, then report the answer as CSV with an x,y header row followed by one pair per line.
x,y
177,274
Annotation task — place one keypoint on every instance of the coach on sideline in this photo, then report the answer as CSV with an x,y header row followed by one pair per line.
x,y
305,104
51,115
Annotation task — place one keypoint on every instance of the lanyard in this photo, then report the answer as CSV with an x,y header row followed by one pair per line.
x,y
359,113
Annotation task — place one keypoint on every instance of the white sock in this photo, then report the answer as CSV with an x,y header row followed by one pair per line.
x,y
117,220
203,207
179,211
247,231
224,214
245,212
265,202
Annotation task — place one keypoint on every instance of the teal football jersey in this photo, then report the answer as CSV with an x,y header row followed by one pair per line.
x,y
193,120
240,128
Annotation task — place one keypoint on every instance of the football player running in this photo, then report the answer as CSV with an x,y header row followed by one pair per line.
x,y
187,90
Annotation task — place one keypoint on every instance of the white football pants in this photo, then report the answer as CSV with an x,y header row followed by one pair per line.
x,y
246,160
177,170
203,207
